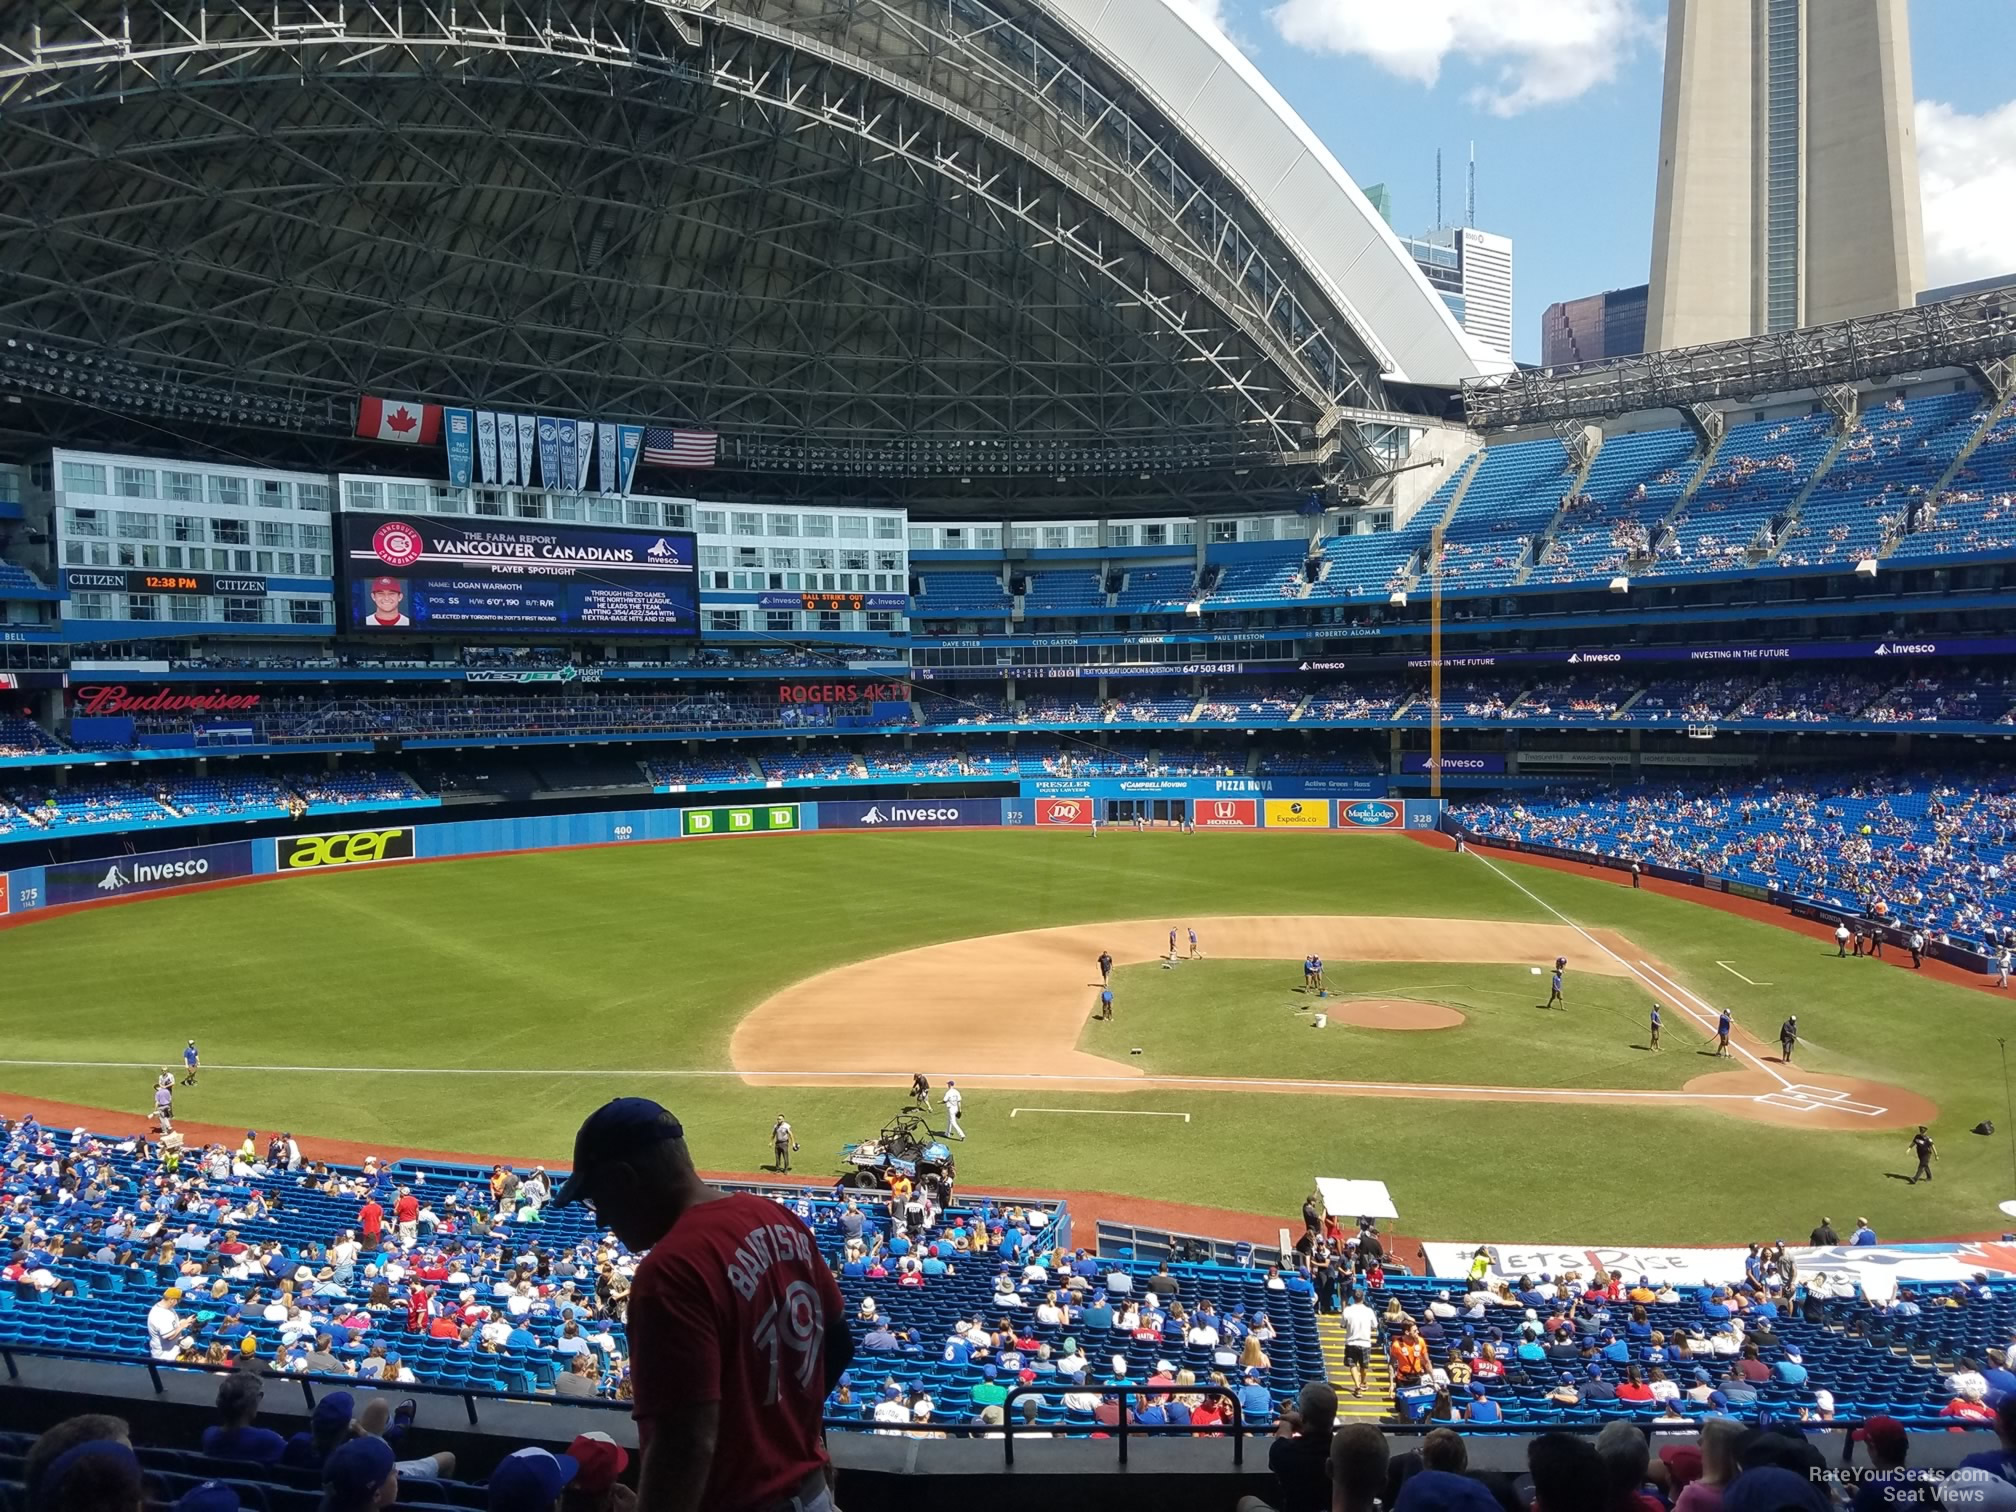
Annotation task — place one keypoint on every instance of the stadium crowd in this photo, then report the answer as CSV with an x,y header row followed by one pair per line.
x,y
1905,849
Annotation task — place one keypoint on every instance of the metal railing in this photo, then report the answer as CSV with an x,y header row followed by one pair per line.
x,y
309,1381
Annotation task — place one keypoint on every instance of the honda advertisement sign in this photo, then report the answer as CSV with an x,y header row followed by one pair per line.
x,y
911,813
1225,813
127,876
1063,810
1372,813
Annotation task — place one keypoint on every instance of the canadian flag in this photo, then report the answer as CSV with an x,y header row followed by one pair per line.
x,y
398,420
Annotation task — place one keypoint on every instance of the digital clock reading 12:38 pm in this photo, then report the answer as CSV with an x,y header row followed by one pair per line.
x,y
170,582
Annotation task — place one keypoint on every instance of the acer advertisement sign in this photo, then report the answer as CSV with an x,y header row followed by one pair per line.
x,y
1063,810
350,848
129,876
1225,813
412,574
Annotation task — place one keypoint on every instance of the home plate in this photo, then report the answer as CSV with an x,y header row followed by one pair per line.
x,y
1802,1099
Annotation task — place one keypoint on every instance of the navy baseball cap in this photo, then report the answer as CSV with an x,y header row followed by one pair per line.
x,y
211,1496
530,1480
352,1475
620,1128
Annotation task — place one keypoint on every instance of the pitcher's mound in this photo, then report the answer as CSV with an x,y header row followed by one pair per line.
x,y
1390,1013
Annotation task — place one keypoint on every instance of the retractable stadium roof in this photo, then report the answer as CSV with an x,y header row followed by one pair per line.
x,y
890,239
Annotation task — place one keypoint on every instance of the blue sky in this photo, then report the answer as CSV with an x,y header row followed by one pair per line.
x,y
1561,98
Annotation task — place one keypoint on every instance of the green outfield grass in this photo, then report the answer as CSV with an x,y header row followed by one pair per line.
x,y
1252,1018
632,966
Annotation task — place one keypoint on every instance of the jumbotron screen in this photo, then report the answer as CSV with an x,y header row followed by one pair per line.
x,y
418,573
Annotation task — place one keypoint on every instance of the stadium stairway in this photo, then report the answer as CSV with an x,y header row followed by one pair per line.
x,y
1706,465
1411,571
1377,1402
1994,414
1842,438
1544,537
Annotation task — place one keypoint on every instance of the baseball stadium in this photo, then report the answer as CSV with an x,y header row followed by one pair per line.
x,y
906,648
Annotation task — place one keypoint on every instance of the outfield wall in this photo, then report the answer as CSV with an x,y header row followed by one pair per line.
x,y
111,879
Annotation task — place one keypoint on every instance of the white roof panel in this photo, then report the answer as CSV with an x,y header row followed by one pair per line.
x,y
1200,80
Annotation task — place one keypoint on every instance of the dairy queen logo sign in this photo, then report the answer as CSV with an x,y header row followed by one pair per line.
x,y
396,544
1063,811
1373,813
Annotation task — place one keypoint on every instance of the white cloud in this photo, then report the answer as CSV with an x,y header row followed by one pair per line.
x,y
1967,185
1543,52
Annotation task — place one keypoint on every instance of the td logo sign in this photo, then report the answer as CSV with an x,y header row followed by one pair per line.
x,y
761,819
350,848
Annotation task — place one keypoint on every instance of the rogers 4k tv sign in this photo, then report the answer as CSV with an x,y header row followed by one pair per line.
x,y
295,853
127,876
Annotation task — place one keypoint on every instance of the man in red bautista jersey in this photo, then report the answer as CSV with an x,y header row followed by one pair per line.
x,y
736,1328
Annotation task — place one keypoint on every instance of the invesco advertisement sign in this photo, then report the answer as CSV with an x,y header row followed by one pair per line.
x,y
126,876
349,848
901,813
1372,813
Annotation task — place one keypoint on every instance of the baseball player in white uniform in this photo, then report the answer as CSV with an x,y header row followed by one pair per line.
x,y
954,1100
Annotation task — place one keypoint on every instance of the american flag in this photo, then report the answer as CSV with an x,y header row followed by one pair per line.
x,y
679,448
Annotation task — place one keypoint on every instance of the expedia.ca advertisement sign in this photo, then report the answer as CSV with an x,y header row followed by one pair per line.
x,y
128,876
351,848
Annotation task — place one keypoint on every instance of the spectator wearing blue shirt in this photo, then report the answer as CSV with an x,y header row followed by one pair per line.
x,y
1716,1308
1255,1402
1614,1349
1864,1235
2001,1380
1483,1406
1790,1371
234,1437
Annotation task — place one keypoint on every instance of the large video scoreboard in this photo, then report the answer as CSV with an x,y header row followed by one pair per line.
x,y
418,573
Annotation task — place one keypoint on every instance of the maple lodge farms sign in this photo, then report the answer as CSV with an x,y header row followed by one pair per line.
x,y
106,701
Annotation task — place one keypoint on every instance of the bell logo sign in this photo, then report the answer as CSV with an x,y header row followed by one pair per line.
x,y
352,848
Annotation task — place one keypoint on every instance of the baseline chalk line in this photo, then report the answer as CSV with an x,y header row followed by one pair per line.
x,y
1109,1112
1739,975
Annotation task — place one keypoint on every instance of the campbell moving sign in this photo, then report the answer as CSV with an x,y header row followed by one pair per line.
x,y
95,701
125,876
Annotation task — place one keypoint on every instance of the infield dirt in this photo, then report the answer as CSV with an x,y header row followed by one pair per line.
x,y
1007,1010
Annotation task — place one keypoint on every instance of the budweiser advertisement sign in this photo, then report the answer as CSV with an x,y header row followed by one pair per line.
x,y
99,701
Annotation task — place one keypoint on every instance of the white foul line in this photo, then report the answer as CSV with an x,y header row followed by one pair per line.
x,y
1645,975
1118,1084
1120,1112
1739,975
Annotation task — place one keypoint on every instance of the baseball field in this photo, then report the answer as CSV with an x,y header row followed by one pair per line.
x,y
484,1005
